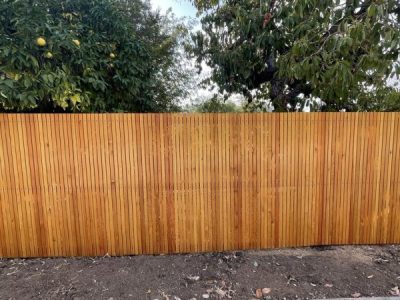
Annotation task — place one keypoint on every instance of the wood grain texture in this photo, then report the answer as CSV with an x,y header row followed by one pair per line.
x,y
92,184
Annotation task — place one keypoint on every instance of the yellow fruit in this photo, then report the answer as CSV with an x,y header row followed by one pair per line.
x,y
14,76
76,42
49,55
112,55
67,16
75,98
41,42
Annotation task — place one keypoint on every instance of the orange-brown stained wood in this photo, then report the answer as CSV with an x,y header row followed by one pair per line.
x,y
74,185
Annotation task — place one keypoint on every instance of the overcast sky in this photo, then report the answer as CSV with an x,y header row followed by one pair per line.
x,y
181,8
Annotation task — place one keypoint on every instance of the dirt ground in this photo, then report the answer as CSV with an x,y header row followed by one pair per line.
x,y
313,273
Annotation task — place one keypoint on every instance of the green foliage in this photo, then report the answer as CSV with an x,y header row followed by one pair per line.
x,y
342,52
216,105
100,55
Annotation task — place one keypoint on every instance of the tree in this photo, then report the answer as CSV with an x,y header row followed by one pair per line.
x,y
97,55
342,52
216,105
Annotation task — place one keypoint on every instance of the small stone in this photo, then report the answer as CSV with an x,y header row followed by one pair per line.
x,y
370,276
205,296
259,293
395,291
193,278
356,295
266,291
255,264
329,285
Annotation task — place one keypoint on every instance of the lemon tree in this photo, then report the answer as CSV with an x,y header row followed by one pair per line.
x,y
89,56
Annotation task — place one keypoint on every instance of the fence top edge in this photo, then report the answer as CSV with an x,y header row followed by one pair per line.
x,y
202,114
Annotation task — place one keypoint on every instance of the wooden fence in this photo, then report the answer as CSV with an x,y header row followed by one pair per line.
x,y
93,184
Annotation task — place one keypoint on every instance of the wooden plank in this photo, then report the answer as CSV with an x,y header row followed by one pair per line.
x,y
312,161
302,202
345,177
394,222
17,162
175,182
55,188
22,188
43,246
4,233
230,171
137,188
161,184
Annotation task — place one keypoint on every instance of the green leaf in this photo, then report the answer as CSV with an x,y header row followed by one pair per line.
x,y
27,83
372,10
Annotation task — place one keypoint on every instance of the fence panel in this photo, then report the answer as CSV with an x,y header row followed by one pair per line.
x,y
91,184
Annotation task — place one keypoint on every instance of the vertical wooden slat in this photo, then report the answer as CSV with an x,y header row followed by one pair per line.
x,y
210,147
5,233
161,184
17,162
175,183
97,185
273,179
301,207
22,188
312,161
288,232
8,243
321,145
362,179
54,190
136,189
128,182
230,186
43,245
384,175
346,177
394,222
188,224
68,181
308,180
371,165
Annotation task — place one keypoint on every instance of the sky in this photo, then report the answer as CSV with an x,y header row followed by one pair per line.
x,y
181,8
